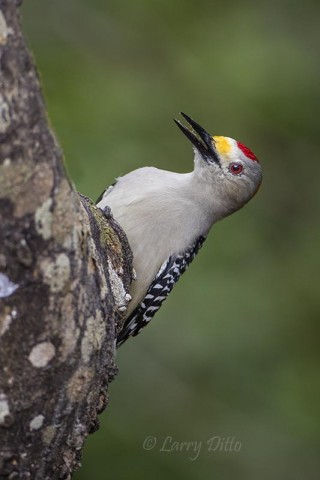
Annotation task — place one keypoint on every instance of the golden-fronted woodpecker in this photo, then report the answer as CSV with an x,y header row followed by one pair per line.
x,y
167,215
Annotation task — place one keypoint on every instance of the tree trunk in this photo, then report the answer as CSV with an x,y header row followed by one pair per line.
x,y
65,268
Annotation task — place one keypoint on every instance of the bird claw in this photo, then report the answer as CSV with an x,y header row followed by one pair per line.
x,y
106,211
134,275
123,308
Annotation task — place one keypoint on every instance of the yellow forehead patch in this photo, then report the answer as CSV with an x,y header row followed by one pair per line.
x,y
222,144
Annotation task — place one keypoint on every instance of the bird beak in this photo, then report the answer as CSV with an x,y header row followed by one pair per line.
x,y
206,146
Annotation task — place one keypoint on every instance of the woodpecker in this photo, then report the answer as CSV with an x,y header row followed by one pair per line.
x,y
167,215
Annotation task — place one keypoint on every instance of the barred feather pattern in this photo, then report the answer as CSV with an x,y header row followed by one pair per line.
x,y
163,283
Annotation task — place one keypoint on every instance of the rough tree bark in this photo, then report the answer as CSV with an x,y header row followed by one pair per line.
x,y
65,269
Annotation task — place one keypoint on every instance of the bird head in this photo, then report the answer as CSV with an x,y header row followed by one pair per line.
x,y
227,165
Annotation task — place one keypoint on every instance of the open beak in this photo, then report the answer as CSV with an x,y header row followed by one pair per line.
x,y
206,146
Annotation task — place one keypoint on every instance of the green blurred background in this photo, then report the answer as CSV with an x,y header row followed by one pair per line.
x,y
234,352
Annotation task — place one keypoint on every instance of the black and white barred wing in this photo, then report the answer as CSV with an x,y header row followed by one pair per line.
x,y
163,283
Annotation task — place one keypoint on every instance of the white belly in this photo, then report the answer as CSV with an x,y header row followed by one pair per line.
x,y
159,221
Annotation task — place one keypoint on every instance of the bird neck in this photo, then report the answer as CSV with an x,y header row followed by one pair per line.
x,y
208,191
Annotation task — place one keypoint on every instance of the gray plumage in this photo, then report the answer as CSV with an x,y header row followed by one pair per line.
x,y
165,213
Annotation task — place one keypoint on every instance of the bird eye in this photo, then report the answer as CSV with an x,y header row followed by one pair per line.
x,y
236,168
